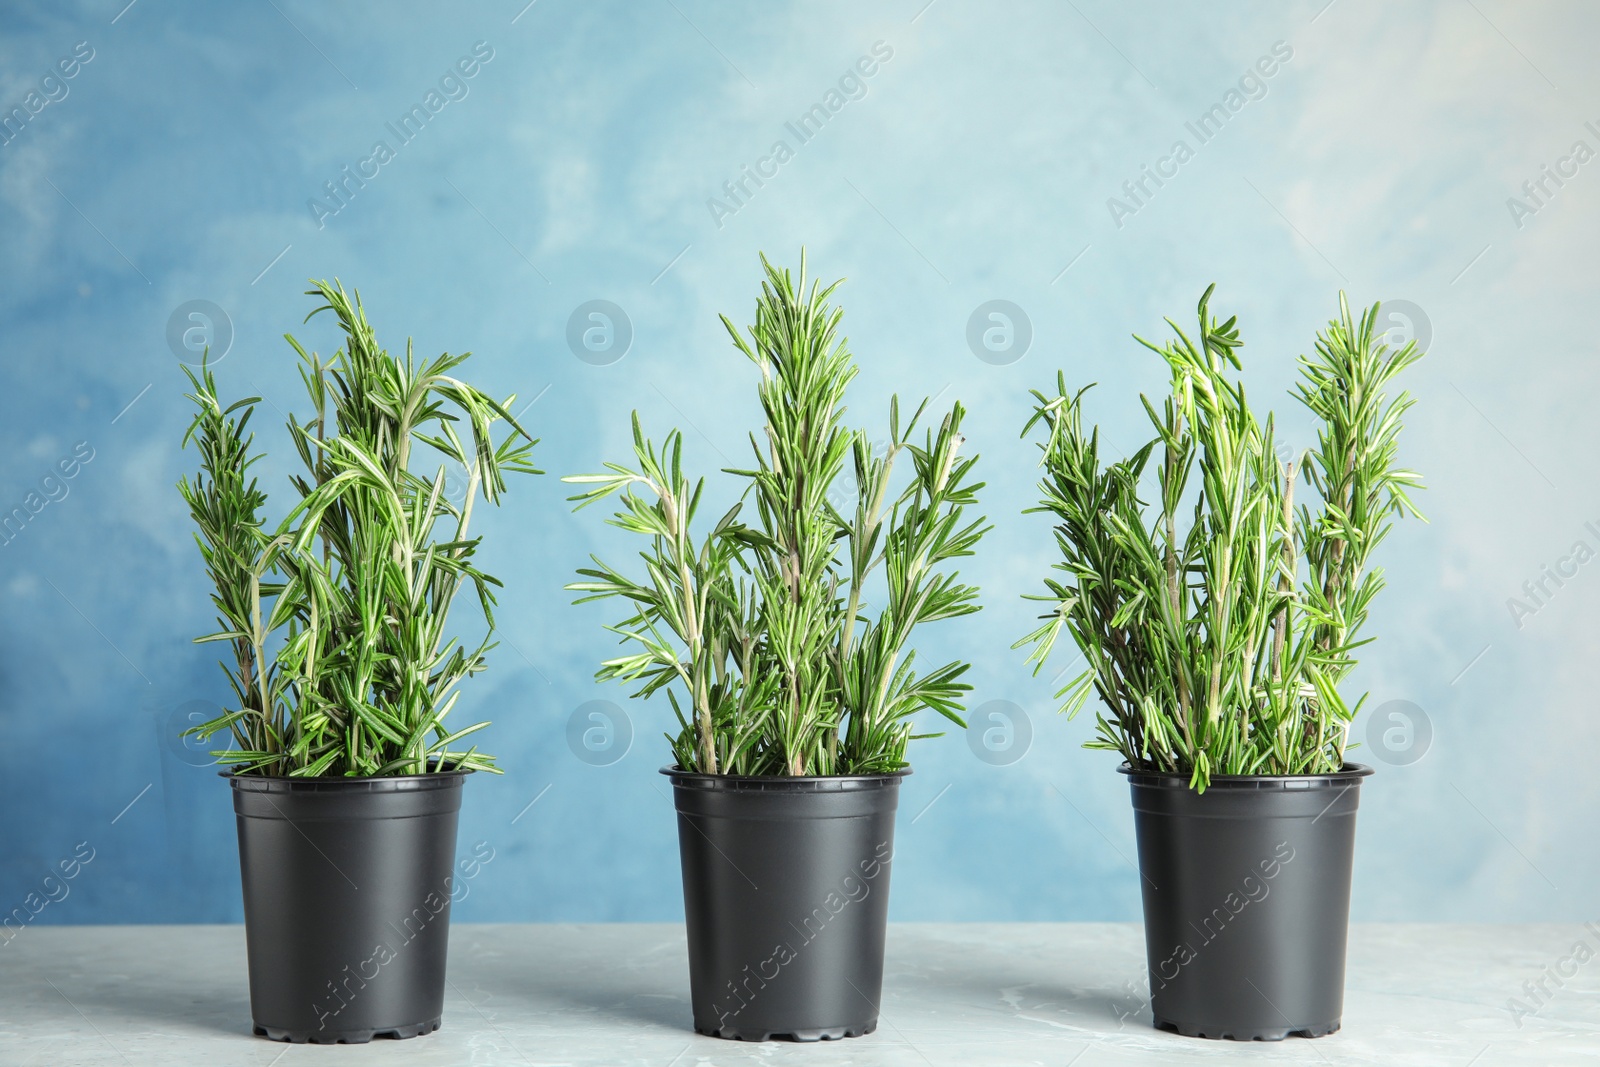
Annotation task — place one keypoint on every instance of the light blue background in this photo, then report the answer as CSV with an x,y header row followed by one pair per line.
x,y
977,166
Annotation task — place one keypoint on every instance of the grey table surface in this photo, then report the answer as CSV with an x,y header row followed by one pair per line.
x,y
1014,994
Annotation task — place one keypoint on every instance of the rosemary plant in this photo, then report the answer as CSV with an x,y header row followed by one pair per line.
x,y
1218,644
764,634
335,620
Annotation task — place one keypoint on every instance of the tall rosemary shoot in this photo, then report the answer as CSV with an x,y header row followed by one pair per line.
x,y
1218,644
336,619
787,639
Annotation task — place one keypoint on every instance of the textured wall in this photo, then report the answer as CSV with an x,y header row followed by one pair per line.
x,y
983,158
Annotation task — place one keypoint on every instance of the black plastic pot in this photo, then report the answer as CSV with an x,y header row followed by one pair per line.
x,y
347,886
786,895
1247,901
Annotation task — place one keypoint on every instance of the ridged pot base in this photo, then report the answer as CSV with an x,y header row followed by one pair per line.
x,y
345,1037
832,1034
1258,1034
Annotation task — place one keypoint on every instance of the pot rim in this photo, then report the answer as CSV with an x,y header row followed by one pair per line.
x,y
813,783
262,783
1350,772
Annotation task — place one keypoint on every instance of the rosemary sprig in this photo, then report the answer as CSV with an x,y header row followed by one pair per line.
x,y
337,618
787,638
1217,645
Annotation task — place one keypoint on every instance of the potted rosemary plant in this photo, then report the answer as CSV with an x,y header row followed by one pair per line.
x,y
346,779
783,646
1218,624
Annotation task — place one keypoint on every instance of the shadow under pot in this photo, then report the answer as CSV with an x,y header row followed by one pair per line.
x,y
347,885
786,898
1246,900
